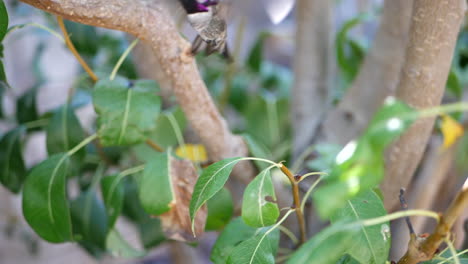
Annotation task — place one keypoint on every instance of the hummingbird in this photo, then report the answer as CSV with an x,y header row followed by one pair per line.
x,y
207,20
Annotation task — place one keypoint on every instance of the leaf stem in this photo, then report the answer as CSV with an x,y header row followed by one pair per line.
x,y
36,25
82,144
177,131
154,146
36,123
289,234
306,196
297,201
397,215
312,174
122,58
452,250
452,257
73,50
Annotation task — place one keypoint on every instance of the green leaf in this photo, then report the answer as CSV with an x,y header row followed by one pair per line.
x,y
210,182
3,20
151,233
164,133
119,247
258,150
445,255
326,157
64,132
255,57
26,109
3,88
261,248
327,247
113,196
360,164
259,206
220,210
156,191
90,223
234,233
2,74
372,243
12,169
127,112
454,85
45,205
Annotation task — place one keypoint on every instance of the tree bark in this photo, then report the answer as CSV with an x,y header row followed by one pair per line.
x,y
311,68
433,34
150,21
376,79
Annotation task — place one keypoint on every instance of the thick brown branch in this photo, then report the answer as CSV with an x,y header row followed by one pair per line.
x,y
149,21
433,34
425,250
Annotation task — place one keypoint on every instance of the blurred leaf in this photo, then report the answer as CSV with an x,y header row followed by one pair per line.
x,y
3,20
176,223
113,195
26,109
258,150
326,247
2,75
12,169
84,38
193,152
451,130
255,57
233,234
89,219
261,248
210,182
349,53
268,119
132,206
360,165
453,84
156,190
151,232
445,255
259,206
3,88
347,259
127,112
165,133
326,154
64,132
372,243
45,204
276,79
220,210
278,10
119,247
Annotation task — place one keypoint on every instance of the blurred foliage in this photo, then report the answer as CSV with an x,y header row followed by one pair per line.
x,y
120,176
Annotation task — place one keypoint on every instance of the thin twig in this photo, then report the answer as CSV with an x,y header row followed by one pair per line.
x,y
297,201
404,206
154,146
72,48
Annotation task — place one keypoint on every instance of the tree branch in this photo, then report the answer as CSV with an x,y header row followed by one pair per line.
x,y
311,69
425,250
429,52
149,21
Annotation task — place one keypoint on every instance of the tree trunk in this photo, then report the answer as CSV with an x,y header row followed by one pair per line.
x,y
311,68
376,79
433,34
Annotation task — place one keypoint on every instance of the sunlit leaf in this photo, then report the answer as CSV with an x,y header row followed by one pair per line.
x,y
220,210
210,182
89,219
326,247
45,205
193,152
259,207
233,234
261,248
12,169
360,164
127,111
113,195
372,243
119,247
